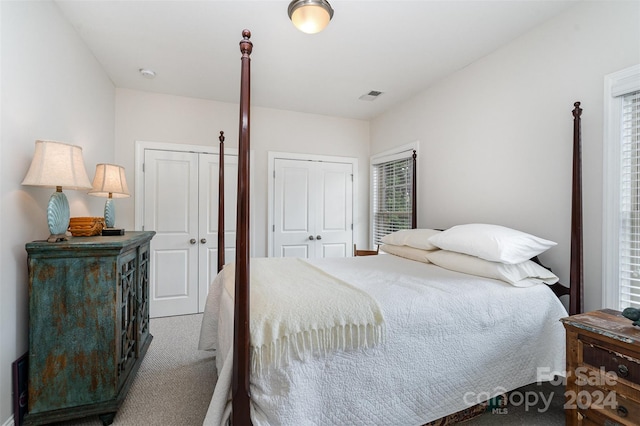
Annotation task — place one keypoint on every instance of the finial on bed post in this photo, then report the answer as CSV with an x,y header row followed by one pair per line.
x,y
221,204
245,44
576,274
240,392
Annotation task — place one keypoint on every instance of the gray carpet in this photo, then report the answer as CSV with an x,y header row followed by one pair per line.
x,y
175,383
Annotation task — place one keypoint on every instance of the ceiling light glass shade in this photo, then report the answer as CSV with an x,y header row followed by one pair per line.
x,y
57,165
109,181
310,16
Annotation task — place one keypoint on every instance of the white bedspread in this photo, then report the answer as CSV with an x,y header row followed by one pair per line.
x,y
451,340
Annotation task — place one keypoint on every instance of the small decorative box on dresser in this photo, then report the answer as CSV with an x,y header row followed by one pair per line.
x,y
603,369
88,324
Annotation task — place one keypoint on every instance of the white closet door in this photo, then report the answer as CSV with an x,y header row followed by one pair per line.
x,y
333,198
294,211
313,209
171,209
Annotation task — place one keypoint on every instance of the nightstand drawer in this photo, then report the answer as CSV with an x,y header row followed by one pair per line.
x,y
624,366
609,404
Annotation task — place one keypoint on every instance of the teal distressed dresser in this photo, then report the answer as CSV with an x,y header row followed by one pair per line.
x,y
88,324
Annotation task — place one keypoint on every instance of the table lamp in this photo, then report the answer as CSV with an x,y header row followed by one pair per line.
x,y
57,165
110,181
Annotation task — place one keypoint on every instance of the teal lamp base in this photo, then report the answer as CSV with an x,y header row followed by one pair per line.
x,y
109,213
110,219
58,217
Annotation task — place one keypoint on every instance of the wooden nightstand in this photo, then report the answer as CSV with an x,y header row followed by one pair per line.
x,y
603,369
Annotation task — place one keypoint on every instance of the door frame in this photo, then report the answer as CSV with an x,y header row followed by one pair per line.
x,y
275,155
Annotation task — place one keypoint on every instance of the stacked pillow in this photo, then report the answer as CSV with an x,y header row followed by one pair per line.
x,y
490,251
410,243
491,242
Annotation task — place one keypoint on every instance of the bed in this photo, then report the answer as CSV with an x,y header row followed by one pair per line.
x,y
401,338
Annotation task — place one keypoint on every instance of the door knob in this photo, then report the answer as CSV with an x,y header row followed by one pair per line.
x,y
203,241
311,237
319,237
192,241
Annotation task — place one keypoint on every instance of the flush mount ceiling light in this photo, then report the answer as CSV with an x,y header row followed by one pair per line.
x,y
310,16
147,73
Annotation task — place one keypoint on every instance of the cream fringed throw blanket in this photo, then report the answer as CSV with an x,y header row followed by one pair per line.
x,y
297,310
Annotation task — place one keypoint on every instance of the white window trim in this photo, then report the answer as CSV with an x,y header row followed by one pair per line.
x,y
615,85
402,151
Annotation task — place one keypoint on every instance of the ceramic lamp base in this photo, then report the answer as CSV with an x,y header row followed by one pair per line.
x,y
109,213
58,217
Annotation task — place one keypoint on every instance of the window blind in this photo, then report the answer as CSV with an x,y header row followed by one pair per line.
x,y
630,202
392,196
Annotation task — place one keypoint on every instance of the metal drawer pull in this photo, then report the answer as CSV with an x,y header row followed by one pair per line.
x,y
623,370
192,241
319,237
622,411
311,237
203,241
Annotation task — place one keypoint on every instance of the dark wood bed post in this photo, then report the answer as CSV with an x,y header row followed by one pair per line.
x,y
414,192
576,275
240,406
221,204
576,269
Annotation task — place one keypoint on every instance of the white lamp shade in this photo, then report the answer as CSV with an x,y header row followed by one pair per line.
x,y
310,16
109,181
57,164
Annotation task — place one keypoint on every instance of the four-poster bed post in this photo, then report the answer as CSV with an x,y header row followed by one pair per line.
x,y
221,204
241,410
576,269
576,273
414,192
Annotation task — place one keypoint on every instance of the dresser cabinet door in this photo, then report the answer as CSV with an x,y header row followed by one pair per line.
x,y
127,314
142,294
71,331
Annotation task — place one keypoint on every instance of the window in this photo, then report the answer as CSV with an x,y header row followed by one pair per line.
x,y
392,192
621,248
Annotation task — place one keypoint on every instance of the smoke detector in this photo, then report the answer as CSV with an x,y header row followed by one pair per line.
x,y
371,96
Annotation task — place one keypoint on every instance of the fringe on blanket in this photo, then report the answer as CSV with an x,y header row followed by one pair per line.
x,y
316,343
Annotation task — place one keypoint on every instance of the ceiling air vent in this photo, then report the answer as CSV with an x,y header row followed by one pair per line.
x,y
371,96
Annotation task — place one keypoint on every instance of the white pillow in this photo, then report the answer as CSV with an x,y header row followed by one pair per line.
x,y
491,242
523,274
416,238
406,252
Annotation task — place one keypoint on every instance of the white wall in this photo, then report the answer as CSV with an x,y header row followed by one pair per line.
x,y
143,116
496,137
52,88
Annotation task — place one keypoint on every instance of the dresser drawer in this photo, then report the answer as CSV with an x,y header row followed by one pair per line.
x,y
608,404
624,366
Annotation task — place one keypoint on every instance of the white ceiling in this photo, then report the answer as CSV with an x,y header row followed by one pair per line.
x,y
396,47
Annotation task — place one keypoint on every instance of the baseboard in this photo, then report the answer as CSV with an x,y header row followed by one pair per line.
x,y
9,422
